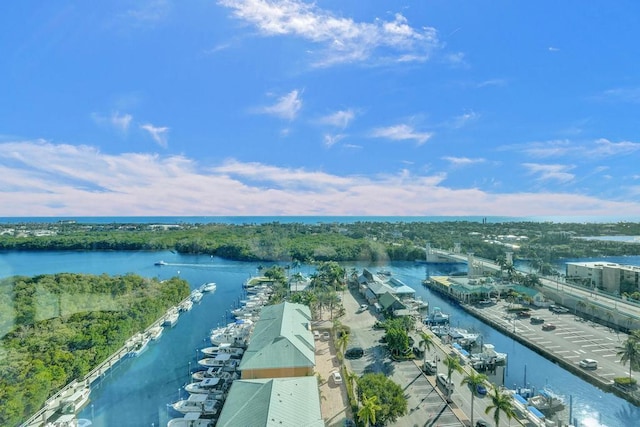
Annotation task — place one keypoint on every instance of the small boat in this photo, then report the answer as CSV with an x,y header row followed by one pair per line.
x,y
138,344
224,348
155,332
160,263
547,400
212,386
198,403
172,317
191,419
437,317
208,287
488,355
186,305
74,403
196,296
219,361
227,373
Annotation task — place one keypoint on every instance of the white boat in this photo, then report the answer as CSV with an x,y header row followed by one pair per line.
x,y
199,403
227,373
208,287
159,263
221,360
191,419
488,355
462,336
212,386
186,305
138,344
437,317
74,403
225,348
155,332
172,317
196,296
236,333
547,400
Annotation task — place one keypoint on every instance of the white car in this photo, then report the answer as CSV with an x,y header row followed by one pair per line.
x,y
363,307
589,364
337,378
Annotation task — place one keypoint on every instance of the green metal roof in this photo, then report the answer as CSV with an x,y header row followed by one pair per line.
x,y
273,402
281,338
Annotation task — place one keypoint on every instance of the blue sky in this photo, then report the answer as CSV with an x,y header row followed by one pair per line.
x,y
230,107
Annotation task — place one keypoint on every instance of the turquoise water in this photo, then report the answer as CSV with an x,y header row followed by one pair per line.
x,y
137,391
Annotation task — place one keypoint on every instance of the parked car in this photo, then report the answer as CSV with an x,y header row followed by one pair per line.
x,y
589,364
481,390
429,367
325,336
363,307
316,335
548,327
536,320
444,382
337,378
482,423
524,313
354,353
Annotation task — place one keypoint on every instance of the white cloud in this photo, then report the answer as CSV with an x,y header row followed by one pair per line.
x,y
401,132
554,148
149,12
550,172
339,119
330,140
605,148
553,49
158,133
287,106
465,118
45,179
342,39
120,122
462,161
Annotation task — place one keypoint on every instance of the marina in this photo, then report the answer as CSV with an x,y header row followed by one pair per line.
x,y
157,376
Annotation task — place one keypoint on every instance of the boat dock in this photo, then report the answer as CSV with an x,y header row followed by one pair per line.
x,y
53,404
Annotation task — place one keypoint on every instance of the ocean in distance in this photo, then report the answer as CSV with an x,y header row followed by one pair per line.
x,y
312,219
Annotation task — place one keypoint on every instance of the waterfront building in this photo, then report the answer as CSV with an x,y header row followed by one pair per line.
x,y
273,402
281,344
609,276
373,286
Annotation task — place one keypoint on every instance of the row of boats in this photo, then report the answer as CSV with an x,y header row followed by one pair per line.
x,y
219,363
138,343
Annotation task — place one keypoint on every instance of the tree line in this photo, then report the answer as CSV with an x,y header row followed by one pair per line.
x,y
56,328
540,242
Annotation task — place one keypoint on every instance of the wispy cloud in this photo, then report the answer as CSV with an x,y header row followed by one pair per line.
x,y
623,94
401,132
287,106
463,161
41,178
342,39
464,119
555,172
339,119
120,122
158,133
148,12
553,148
605,148
331,140
553,49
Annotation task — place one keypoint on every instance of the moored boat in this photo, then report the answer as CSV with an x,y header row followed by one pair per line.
x,y
212,386
208,287
191,419
196,296
198,403
437,317
186,305
171,317
547,400
155,332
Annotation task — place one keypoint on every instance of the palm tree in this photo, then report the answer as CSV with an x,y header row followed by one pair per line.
x,y
501,402
452,364
630,351
342,341
474,379
425,344
369,409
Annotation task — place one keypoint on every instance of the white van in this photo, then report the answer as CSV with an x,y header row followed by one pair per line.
x,y
444,382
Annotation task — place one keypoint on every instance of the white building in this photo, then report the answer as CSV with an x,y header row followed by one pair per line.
x,y
604,275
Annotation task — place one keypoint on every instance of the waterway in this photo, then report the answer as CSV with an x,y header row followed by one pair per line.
x,y
138,391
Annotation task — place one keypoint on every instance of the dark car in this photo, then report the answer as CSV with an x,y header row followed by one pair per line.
x,y
482,423
354,353
481,390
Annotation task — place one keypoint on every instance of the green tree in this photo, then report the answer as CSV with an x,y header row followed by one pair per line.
x,y
500,403
630,351
426,342
342,341
391,398
453,364
473,379
369,410
397,340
